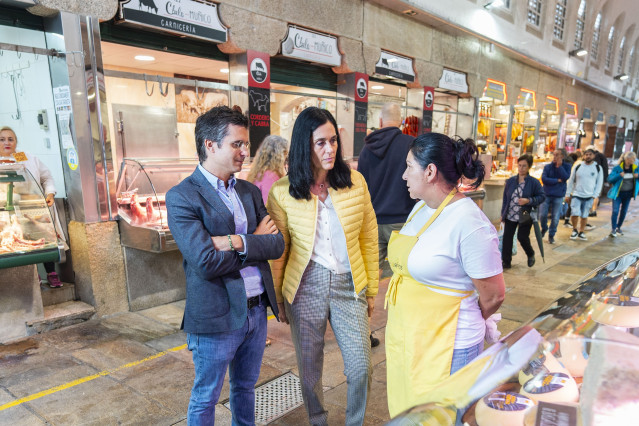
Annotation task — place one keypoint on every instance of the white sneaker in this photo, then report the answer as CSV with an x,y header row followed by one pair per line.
x,y
589,227
582,236
613,234
574,234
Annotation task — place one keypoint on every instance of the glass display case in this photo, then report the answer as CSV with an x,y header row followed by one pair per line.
x,y
577,361
27,232
140,190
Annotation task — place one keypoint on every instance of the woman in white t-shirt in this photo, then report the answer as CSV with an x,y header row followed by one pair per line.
x,y
447,272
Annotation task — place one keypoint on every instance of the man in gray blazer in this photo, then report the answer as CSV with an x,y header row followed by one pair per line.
x,y
225,235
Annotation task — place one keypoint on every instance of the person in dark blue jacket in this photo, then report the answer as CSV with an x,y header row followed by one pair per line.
x,y
554,178
521,193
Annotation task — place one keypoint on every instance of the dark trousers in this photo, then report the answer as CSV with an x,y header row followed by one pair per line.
x,y
523,236
619,208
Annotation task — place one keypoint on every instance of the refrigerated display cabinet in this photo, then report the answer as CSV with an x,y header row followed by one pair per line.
x,y
575,363
140,190
27,232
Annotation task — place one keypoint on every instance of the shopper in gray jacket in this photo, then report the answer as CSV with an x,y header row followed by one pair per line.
x,y
584,186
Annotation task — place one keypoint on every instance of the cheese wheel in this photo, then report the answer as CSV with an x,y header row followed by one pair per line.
x,y
573,355
551,387
502,408
616,310
543,364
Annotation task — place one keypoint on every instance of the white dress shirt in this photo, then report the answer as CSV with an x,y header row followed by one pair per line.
x,y
329,249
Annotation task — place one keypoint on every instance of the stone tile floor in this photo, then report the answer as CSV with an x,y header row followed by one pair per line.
x,y
131,368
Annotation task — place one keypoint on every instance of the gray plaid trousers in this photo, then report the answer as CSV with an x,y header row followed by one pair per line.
x,y
324,296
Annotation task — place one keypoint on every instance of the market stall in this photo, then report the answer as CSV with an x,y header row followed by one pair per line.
x,y
27,237
577,360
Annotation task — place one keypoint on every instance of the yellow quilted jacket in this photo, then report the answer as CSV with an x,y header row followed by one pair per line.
x,y
296,219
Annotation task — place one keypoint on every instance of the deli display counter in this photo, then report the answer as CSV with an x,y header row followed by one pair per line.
x,y
27,232
140,190
575,363
153,263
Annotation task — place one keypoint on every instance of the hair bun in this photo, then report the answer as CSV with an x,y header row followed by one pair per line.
x,y
467,160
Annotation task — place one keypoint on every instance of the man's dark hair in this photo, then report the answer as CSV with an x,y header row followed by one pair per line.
x,y
214,126
300,163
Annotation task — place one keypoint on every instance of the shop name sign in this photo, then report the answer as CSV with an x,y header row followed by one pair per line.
x,y
453,80
396,66
184,17
311,46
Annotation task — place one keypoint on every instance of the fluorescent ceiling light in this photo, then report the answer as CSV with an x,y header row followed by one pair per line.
x,y
578,52
621,77
224,70
378,87
145,58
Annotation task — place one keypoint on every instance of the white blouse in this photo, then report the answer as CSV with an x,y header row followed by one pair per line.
x,y
329,249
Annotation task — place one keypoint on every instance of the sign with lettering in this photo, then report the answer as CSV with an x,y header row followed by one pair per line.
x,y
571,108
527,98
183,17
396,66
259,92
612,120
311,46
427,114
361,111
551,104
587,114
600,117
496,90
453,80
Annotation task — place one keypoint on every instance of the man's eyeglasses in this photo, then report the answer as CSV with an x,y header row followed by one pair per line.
x,y
240,144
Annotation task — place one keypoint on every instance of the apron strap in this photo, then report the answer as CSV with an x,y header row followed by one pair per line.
x,y
444,203
464,293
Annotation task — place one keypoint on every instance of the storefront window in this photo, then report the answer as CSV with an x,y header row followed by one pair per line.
x,y
381,93
28,105
287,101
453,116
154,98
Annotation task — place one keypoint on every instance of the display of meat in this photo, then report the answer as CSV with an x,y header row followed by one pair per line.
x,y
12,238
142,213
138,214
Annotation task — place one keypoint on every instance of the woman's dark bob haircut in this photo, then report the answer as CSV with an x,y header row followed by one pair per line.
x,y
300,163
527,158
453,158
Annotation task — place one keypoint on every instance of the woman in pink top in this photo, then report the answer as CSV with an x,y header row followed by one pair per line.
x,y
269,164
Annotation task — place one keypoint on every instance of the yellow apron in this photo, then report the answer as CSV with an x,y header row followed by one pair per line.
x,y
421,327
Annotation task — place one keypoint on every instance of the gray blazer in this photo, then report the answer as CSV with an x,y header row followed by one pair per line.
x,y
215,293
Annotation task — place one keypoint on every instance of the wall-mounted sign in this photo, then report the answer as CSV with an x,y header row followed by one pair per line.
x,y
396,66
572,109
72,158
311,46
183,17
587,114
527,98
259,92
427,115
496,90
600,117
612,120
361,111
453,80
551,104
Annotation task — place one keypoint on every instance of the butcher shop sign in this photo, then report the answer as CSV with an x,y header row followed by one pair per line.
x,y
311,46
396,66
183,17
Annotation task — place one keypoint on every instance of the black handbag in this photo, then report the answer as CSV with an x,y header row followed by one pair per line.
x,y
524,217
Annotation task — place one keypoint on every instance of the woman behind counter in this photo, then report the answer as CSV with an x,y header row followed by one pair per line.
x,y
269,164
447,275
521,193
329,269
42,175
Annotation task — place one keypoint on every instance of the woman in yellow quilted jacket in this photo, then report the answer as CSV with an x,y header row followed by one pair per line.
x,y
329,269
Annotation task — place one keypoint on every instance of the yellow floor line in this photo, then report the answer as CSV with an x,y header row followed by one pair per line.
x,y
92,377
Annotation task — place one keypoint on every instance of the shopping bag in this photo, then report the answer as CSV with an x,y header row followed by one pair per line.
x,y
501,239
